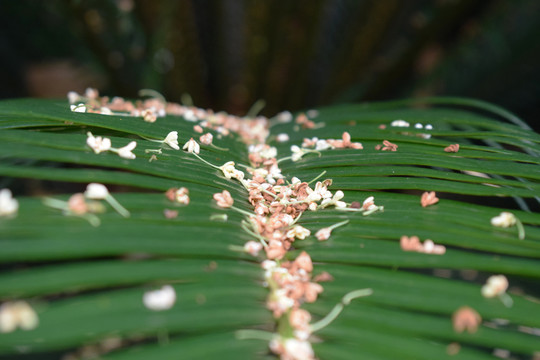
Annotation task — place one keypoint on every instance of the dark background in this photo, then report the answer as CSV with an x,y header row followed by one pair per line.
x,y
293,54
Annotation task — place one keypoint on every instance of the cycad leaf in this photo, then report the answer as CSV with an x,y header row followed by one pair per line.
x,y
87,282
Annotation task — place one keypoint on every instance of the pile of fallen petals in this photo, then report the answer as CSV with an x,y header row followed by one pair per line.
x,y
277,204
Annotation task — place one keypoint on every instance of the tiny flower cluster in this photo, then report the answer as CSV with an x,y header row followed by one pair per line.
x,y
405,124
322,144
8,205
180,196
91,102
454,148
386,146
251,130
427,247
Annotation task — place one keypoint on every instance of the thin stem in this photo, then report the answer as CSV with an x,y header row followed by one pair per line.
x,y
152,93
332,227
317,178
237,248
283,159
218,147
256,108
521,229
116,205
149,139
254,334
333,314
157,151
55,203
92,219
244,212
297,218
506,300
206,162
186,99
218,217
254,234
269,193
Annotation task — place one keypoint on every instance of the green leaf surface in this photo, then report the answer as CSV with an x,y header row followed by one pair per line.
x,y
86,282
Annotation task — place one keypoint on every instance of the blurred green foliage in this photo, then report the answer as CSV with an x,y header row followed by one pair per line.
x,y
292,54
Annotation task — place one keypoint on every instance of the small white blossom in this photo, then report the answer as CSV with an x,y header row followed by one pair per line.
x,y
206,139
231,172
504,219
161,299
96,191
192,146
125,152
97,143
323,234
298,232
399,123
268,152
81,108
418,126
322,145
283,137
172,140
496,285
8,205
189,115
298,349
253,247
335,200
284,117
73,97
297,153
15,315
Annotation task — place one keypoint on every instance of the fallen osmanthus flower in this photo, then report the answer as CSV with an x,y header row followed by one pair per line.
x,y
292,349
386,146
192,147
149,115
507,219
253,248
97,143
95,191
324,233
283,137
160,299
206,139
224,199
452,148
198,128
8,205
231,172
466,318
298,232
17,314
496,286
428,247
429,198
80,108
170,214
178,195
399,123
